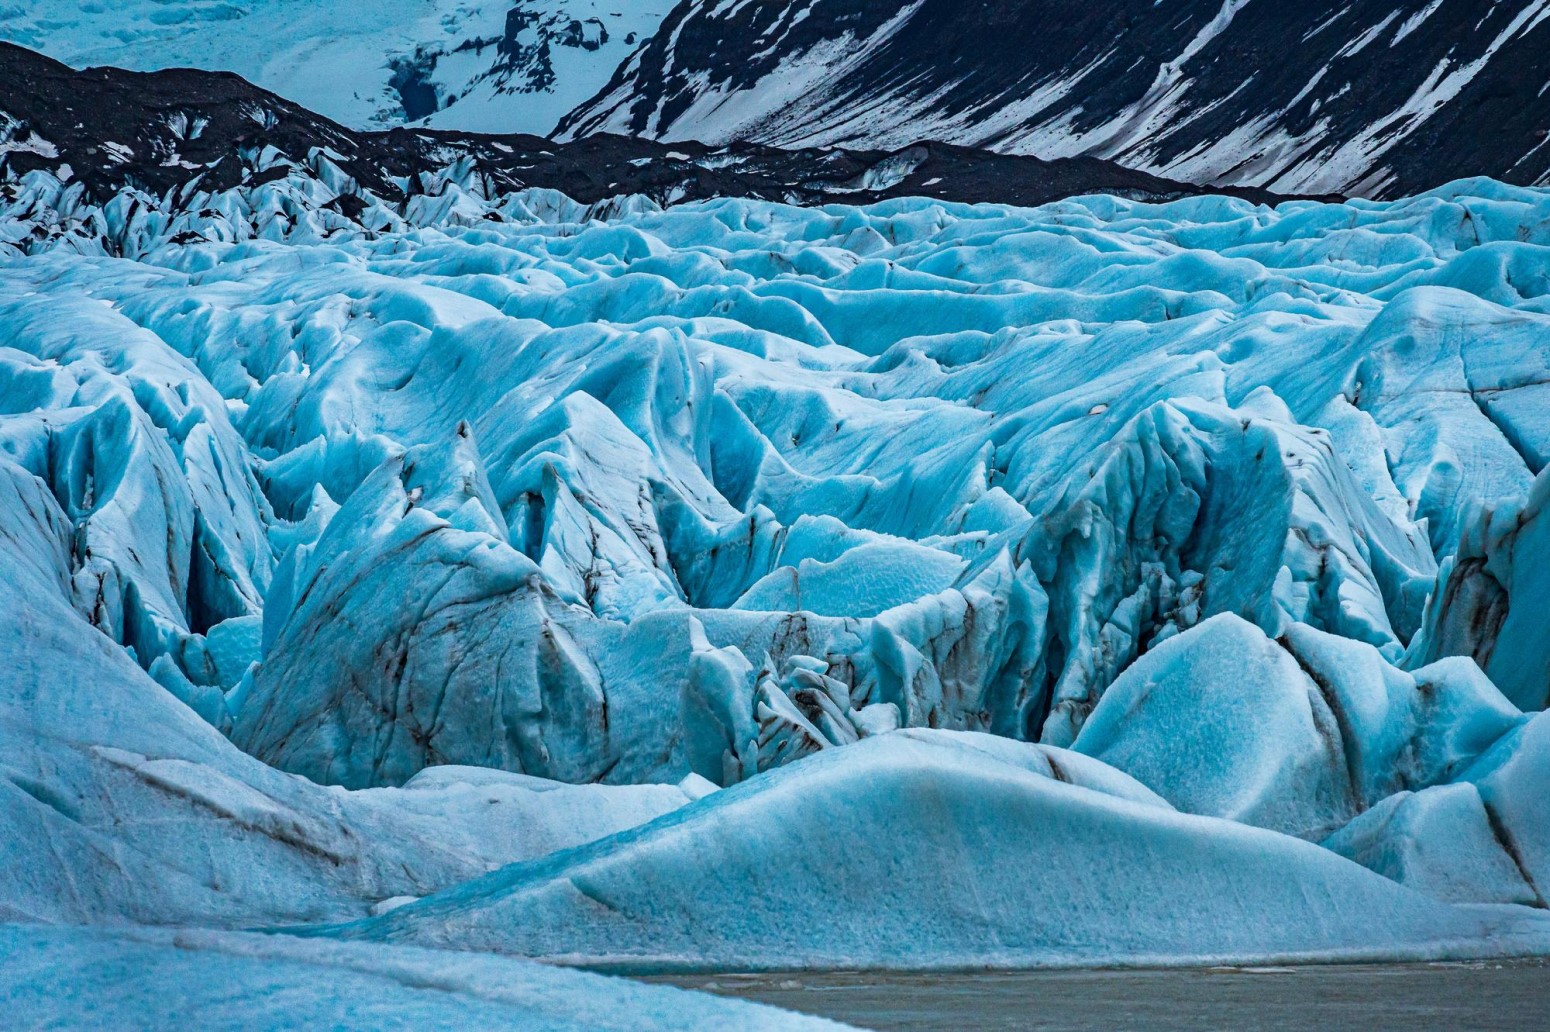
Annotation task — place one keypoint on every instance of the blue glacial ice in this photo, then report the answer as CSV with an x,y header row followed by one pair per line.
x,y
1175,573
923,848
161,978
1299,734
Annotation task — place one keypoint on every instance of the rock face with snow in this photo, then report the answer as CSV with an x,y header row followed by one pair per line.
x,y
1377,97
739,582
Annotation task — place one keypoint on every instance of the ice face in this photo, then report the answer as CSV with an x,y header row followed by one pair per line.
x,y
1242,504
117,803
1501,558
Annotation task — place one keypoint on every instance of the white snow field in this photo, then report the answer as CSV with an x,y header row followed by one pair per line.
x,y
1106,582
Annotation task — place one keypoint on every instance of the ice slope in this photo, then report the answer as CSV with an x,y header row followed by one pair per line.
x,y
483,66
639,498
925,848
90,978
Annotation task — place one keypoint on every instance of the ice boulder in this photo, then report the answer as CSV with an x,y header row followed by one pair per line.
x,y
1481,839
1298,734
1221,721
1402,729
1514,783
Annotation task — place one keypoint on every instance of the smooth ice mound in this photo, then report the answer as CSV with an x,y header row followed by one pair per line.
x,y
922,848
370,561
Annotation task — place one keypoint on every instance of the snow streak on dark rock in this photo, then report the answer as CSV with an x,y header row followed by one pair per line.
x,y
1376,97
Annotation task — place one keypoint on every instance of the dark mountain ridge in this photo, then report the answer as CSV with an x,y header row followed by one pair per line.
x,y
184,130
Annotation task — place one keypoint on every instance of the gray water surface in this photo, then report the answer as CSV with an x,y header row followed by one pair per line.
x,y
1483,997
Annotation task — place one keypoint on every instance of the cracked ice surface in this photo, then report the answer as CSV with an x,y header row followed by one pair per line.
x,y
1243,502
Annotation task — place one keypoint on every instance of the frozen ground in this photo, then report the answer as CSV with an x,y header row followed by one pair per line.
x,y
910,586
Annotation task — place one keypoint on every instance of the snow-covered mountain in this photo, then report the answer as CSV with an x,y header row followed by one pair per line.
x,y
1372,97
475,65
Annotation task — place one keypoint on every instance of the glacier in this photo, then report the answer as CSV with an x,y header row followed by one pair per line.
x,y
735,583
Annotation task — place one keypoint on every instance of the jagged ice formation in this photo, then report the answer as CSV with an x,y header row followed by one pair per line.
x,y
1237,510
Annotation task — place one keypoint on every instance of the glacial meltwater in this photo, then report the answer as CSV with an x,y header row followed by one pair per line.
x,y
1497,996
